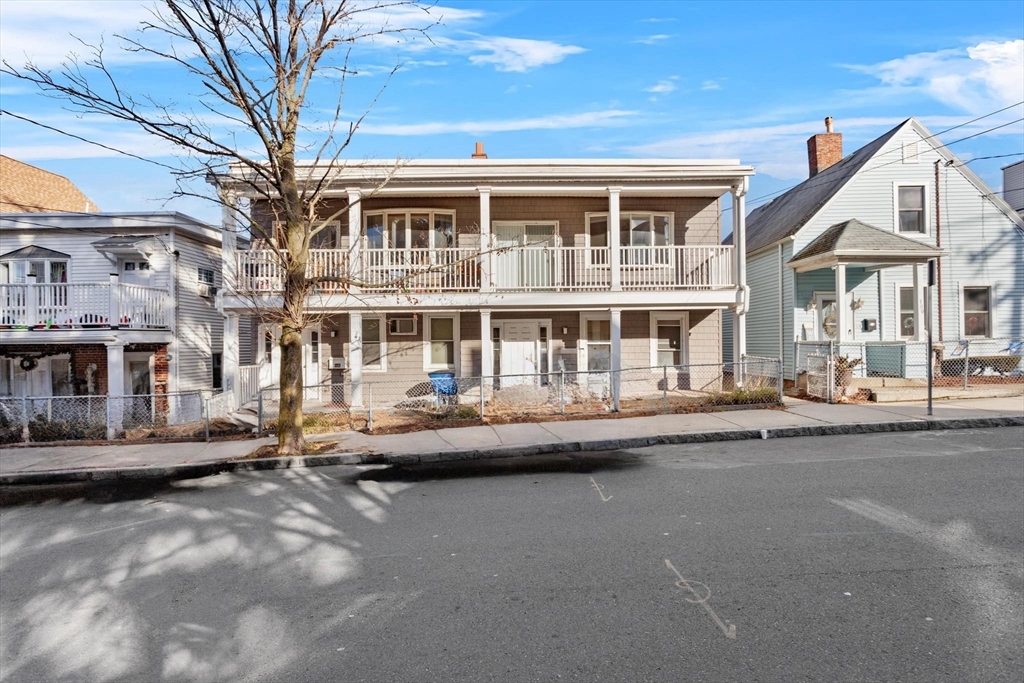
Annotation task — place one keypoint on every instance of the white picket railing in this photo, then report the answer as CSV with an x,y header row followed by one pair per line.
x,y
84,305
248,383
450,270
516,269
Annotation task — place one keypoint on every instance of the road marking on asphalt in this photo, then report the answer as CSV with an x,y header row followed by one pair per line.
x,y
600,490
701,594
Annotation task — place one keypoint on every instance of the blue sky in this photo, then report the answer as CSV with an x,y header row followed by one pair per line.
x,y
587,79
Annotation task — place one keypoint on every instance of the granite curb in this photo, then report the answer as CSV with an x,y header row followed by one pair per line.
x,y
193,470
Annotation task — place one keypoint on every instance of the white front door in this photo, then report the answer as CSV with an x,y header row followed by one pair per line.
x,y
135,272
520,341
311,362
828,326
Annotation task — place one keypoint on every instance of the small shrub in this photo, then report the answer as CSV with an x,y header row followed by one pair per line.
x,y
40,429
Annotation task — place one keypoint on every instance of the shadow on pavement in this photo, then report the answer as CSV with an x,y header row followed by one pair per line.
x,y
577,463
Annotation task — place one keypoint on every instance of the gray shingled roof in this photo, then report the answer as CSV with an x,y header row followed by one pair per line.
x,y
787,213
33,252
854,235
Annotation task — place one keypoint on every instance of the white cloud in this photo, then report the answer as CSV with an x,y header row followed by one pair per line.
x,y
710,85
511,54
654,40
593,119
781,151
976,79
665,86
657,20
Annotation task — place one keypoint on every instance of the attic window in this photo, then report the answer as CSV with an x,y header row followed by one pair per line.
x,y
910,153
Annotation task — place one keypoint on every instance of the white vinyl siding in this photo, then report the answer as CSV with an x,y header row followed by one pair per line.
x,y
200,327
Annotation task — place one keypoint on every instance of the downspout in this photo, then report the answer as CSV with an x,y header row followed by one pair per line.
x,y
938,244
172,364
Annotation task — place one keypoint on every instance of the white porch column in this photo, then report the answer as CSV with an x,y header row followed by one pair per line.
x,y
739,241
842,304
614,240
355,237
486,346
919,331
229,357
487,261
616,378
229,241
115,388
355,356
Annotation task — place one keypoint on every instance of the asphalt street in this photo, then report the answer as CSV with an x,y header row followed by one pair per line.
x,y
889,557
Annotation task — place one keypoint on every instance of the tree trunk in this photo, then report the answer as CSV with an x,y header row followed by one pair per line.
x,y
290,439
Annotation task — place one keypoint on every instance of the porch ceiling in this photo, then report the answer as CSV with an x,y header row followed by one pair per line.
x,y
854,242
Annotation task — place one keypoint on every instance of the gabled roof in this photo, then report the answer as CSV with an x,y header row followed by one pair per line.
x,y
785,215
25,188
33,252
855,236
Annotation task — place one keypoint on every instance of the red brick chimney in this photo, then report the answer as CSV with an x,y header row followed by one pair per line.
x,y
479,153
824,149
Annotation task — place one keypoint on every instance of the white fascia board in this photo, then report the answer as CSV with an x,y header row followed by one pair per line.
x,y
523,301
145,222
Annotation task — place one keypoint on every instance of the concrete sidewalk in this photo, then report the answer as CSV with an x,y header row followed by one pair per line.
x,y
54,464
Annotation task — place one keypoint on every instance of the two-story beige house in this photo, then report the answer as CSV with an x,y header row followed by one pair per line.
x,y
502,267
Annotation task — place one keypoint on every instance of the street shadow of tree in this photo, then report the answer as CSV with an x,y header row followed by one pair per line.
x,y
187,591
575,463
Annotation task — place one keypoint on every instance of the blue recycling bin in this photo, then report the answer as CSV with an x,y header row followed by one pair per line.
x,y
445,386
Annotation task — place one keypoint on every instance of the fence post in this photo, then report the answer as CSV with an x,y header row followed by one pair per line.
x,y
369,407
25,434
259,412
561,391
206,415
481,396
967,359
664,386
830,369
779,375
110,421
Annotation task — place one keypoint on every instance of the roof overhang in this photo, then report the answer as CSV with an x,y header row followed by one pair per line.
x,y
865,258
129,245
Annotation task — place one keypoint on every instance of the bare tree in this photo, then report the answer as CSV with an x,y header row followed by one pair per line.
x,y
254,63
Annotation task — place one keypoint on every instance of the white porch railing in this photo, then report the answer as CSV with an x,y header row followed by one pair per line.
x,y
248,383
517,269
84,305
448,270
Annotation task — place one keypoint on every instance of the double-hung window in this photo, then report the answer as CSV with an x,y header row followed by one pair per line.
x,y
441,336
977,312
373,343
907,328
599,345
910,199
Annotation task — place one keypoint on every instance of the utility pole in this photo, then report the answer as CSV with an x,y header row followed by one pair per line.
x,y
928,326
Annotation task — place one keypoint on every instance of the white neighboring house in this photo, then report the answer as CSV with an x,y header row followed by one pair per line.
x,y
1013,186
108,303
842,256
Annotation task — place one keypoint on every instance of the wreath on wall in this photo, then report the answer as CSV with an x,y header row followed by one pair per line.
x,y
29,363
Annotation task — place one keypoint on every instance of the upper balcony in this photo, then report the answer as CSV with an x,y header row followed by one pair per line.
x,y
520,269
83,306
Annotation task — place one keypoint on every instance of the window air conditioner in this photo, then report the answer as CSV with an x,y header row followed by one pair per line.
x,y
402,326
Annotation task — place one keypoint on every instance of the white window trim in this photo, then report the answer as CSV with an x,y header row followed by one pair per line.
x,y
899,311
683,318
47,262
383,366
456,353
556,236
415,325
962,321
408,225
896,185
616,230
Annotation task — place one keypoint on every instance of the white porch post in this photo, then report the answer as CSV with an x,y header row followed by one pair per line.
x,y
616,383
355,356
32,300
229,358
487,261
229,241
355,237
739,241
614,239
114,314
842,304
486,347
919,331
115,388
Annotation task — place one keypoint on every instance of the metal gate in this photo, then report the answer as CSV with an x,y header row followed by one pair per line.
x,y
821,376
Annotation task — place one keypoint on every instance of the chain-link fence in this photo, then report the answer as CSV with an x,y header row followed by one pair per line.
x,y
859,367
132,418
444,399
